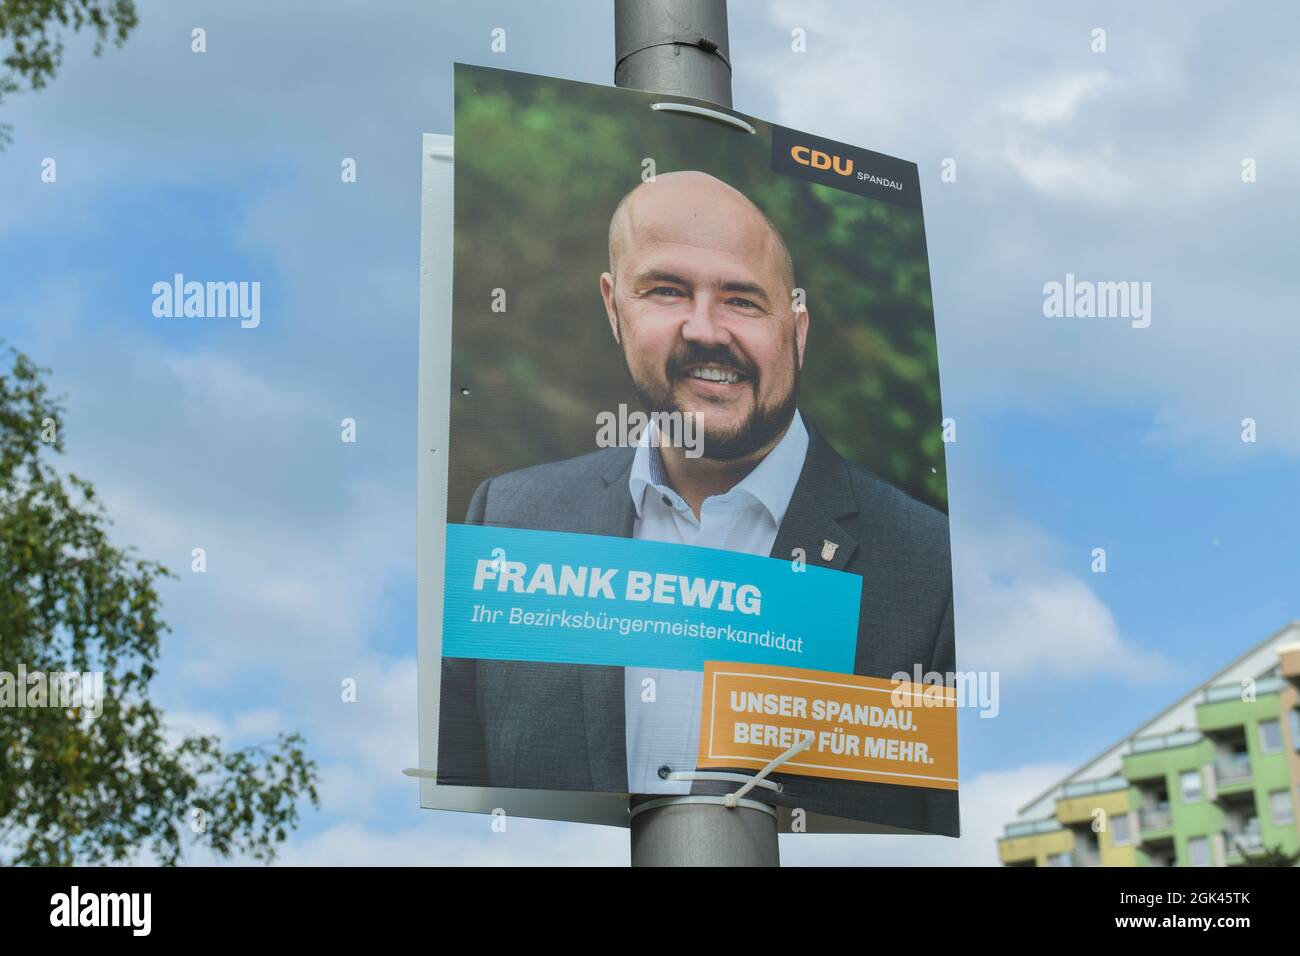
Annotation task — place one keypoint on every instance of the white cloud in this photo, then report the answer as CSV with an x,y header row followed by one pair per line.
x,y
1065,172
182,723
215,383
1058,99
1021,613
261,722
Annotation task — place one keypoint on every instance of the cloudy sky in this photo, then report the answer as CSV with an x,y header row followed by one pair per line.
x,y
1072,434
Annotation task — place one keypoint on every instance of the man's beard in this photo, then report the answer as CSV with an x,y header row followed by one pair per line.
x,y
761,426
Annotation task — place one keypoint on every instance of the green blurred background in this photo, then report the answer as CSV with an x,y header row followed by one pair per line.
x,y
541,164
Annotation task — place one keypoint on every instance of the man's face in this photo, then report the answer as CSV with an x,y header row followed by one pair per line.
x,y
702,308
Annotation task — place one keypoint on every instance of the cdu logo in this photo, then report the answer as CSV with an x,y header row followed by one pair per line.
x,y
807,156
844,167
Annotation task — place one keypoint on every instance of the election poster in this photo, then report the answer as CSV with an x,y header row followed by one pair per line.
x,y
686,446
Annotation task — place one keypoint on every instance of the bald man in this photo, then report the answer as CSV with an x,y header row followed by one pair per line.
x,y
700,298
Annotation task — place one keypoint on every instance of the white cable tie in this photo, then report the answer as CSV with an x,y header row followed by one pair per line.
x,y
775,762
723,776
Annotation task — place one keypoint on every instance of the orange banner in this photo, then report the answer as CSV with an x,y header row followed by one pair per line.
x,y
862,728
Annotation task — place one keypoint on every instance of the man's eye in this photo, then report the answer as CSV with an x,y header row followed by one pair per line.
x,y
743,303
666,290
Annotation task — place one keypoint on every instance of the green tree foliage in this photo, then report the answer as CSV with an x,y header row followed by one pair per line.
x,y
81,789
540,166
34,29
1269,856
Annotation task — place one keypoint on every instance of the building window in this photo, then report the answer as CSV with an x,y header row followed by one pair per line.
x,y
1121,830
1280,805
1270,736
1189,782
1198,851
1059,859
1295,729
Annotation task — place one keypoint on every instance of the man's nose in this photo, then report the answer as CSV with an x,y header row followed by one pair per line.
x,y
705,325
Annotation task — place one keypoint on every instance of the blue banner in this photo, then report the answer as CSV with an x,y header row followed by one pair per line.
x,y
558,597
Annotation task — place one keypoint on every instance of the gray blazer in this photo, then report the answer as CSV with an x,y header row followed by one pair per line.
x,y
561,726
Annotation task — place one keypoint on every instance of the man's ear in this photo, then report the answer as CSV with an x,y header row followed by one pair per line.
x,y
611,310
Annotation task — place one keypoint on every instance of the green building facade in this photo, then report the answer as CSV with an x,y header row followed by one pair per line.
x,y
1213,780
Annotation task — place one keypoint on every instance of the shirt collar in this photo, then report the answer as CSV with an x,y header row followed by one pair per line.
x,y
771,483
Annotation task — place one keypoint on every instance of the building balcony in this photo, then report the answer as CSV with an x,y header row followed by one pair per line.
x,y
1032,828
1230,769
1080,857
1235,691
1034,842
1085,788
1243,839
1158,816
1180,738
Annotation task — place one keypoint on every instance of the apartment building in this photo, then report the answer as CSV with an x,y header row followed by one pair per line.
x,y
1213,780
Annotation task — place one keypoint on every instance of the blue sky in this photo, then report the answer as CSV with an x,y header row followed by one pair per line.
x,y
1072,433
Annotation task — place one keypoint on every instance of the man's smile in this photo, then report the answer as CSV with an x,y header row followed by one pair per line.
x,y
714,380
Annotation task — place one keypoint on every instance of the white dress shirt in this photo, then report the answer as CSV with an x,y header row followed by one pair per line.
x,y
666,733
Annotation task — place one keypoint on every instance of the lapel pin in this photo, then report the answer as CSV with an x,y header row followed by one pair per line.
x,y
828,550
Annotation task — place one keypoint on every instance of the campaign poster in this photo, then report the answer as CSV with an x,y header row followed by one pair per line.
x,y
696,502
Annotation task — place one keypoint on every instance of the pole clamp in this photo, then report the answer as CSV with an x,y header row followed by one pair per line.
x,y
680,39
